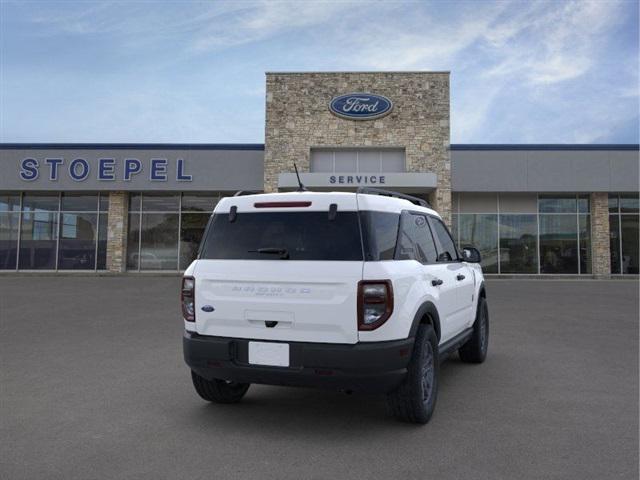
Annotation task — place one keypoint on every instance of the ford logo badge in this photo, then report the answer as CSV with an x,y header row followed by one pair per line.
x,y
360,106
207,308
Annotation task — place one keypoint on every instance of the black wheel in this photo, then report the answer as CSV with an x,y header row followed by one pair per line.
x,y
219,391
475,349
415,399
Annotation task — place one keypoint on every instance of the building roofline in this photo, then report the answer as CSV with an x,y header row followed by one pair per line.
x,y
260,146
132,146
544,146
442,72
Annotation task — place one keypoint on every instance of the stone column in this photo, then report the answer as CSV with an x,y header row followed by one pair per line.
x,y
117,232
600,250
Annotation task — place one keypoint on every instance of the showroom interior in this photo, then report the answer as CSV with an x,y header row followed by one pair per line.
x,y
530,209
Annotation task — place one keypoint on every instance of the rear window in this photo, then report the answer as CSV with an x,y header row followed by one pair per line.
x,y
380,231
278,235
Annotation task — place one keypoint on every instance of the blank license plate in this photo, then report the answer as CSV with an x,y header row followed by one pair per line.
x,y
268,353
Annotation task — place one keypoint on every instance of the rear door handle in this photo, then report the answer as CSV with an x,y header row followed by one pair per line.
x,y
460,277
436,282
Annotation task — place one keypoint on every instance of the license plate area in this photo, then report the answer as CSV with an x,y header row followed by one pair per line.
x,y
269,353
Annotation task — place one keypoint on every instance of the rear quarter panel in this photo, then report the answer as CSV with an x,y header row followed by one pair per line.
x,y
410,291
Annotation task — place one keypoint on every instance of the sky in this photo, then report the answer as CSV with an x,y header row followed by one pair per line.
x,y
193,72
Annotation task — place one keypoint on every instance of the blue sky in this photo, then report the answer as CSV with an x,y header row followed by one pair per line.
x,y
521,72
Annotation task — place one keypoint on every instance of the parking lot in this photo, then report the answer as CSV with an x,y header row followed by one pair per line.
x,y
94,386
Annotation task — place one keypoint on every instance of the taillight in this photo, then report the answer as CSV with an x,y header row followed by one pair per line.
x,y
375,303
188,298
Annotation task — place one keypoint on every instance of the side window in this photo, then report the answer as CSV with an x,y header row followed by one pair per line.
x,y
379,233
446,248
415,241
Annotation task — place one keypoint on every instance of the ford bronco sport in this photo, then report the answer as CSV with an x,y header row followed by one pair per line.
x,y
357,291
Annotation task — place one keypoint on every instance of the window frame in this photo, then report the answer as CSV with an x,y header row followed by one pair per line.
x,y
403,215
439,247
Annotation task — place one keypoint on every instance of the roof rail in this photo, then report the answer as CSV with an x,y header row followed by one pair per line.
x,y
242,193
390,193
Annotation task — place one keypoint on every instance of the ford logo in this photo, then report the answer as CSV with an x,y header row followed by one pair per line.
x,y
360,106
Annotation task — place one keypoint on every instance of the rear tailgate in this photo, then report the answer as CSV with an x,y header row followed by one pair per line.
x,y
302,301
281,267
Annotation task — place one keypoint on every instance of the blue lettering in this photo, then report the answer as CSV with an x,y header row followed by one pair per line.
x,y
53,167
383,179
158,169
180,176
341,179
332,179
349,179
106,169
84,169
29,169
132,166
372,179
358,178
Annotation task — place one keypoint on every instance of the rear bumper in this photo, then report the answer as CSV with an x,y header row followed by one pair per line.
x,y
363,367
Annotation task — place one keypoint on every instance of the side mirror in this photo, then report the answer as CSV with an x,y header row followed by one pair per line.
x,y
471,255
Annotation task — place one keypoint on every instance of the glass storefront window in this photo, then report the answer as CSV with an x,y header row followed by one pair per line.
x,y
38,240
623,233
80,202
159,241
192,227
40,201
481,231
584,236
9,202
53,231
629,204
558,244
557,204
199,202
518,244
133,241
77,247
160,203
614,242
9,224
630,246
165,229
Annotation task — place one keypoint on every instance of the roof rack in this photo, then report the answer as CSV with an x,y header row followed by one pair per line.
x,y
390,193
242,193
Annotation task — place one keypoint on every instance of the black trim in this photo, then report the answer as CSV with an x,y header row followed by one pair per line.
x,y
544,146
132,146
426,308
454,343
391,193
365,367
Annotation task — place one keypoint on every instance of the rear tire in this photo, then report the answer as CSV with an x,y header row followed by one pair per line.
x,y
475,349
219,391
415,399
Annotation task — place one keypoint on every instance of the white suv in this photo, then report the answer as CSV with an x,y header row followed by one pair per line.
x,y
353,291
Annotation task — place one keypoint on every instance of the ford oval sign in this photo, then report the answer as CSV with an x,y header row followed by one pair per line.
x,y
360,106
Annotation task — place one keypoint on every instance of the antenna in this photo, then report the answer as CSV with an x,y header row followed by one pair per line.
x,y
301,187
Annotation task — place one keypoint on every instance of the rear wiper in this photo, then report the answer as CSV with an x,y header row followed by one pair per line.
x,y
284,254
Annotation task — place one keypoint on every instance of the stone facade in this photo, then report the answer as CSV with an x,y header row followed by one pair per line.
x,y
298,119
117,231
600,247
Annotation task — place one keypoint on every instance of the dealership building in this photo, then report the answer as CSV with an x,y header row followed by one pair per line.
x,y
530,209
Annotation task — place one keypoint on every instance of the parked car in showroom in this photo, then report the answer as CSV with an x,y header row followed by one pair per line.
x,y
356,291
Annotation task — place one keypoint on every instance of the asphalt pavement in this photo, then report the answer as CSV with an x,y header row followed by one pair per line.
x,y
93,386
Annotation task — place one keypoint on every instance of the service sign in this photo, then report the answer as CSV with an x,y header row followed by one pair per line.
x,y
360,106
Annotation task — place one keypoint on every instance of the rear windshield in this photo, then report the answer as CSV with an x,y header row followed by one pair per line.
x,y
284,235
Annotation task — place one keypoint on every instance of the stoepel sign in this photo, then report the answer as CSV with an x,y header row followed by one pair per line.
x,y
360,106
106,169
